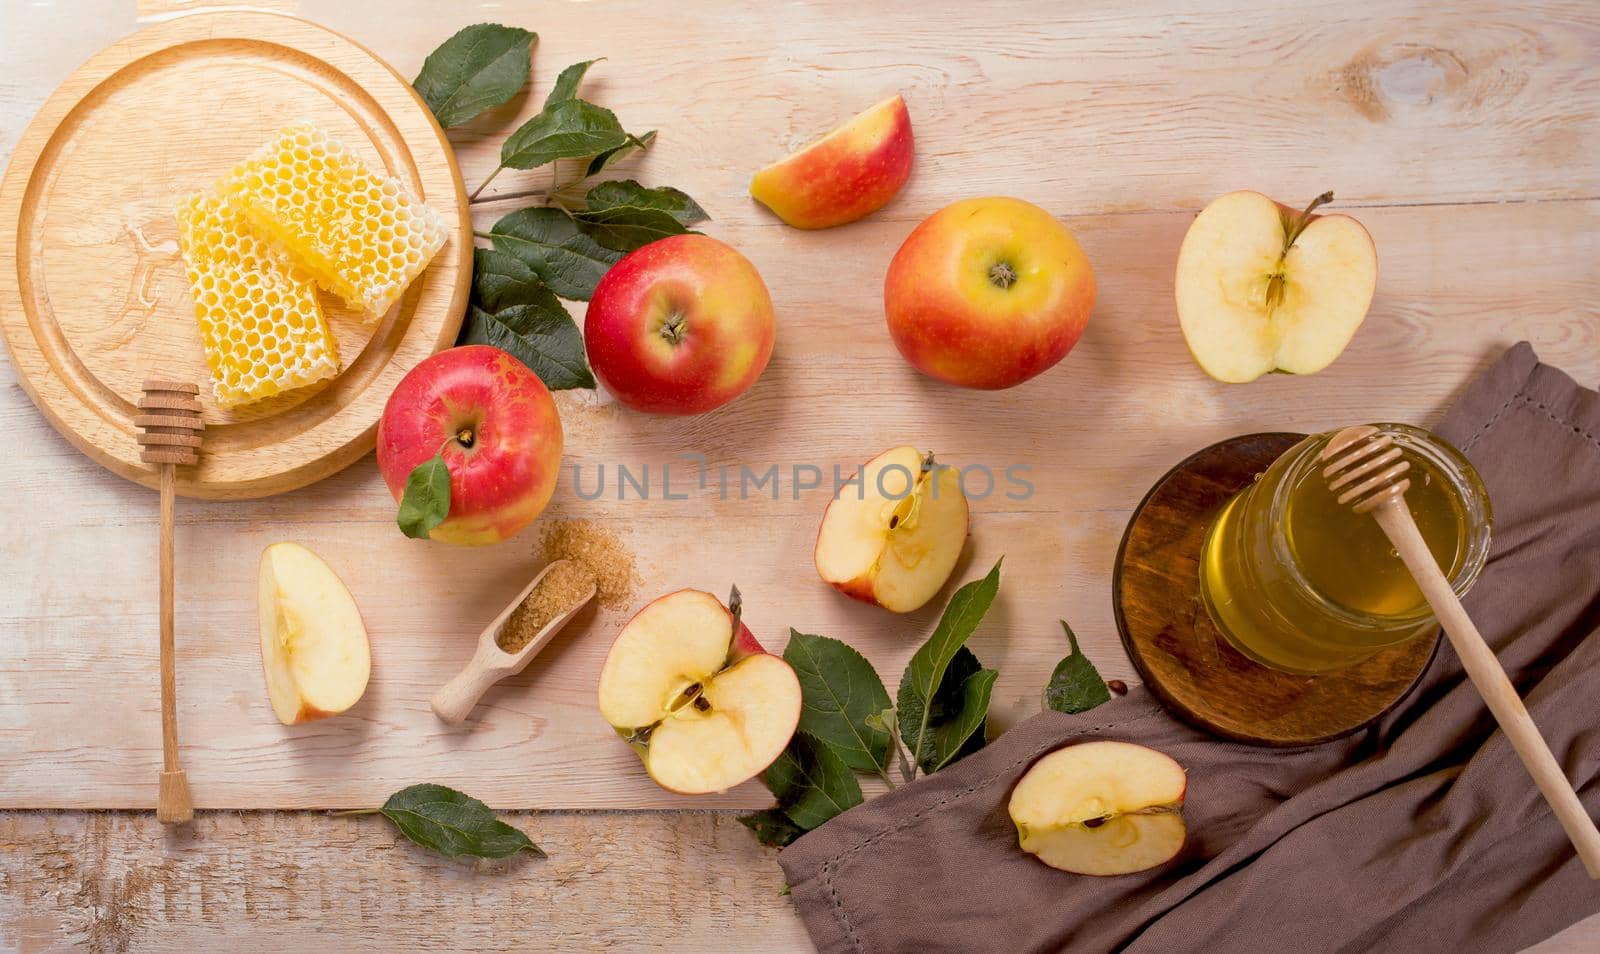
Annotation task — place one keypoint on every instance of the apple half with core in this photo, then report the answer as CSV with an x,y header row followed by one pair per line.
x,y
1101,808
850,173
313,645
987,293
695,696
1261,287
892,537
680,326
495,426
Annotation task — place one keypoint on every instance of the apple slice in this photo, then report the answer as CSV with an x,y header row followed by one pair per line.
x,y
313,645
1261,287
851,172
893,538
1101,808
694,694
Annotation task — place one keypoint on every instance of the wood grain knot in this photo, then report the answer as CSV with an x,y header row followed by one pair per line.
x,y
169,430
1380,78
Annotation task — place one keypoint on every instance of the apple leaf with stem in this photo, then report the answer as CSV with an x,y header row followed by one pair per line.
x,y
841,694
480,67
550,243
426,501
451,823
1075,686
812,783
624,215
958,713
566,129
922,687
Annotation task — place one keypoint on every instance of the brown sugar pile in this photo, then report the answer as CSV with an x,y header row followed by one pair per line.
x,y
563,585
587,543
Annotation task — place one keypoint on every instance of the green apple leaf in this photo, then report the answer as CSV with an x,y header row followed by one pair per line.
x,y
567,83
1075,686
479,68
772,827
569,129
453,824
921,685
811,781
841,699
550,243
426,501
959,712
627,193
500,280
605,159
541,335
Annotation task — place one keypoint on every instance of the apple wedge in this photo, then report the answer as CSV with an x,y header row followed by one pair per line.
x,y
849,173
1261,287
698,699
893,537
313,645
1101,808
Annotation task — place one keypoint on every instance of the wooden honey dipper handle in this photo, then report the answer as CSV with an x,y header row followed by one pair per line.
x,y
1367,472
170,427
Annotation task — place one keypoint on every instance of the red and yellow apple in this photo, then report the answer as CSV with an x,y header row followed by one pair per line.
x,y
313,644
695,696
497,427
892,538
1262,287
851,172
1101,808
680,326
987,293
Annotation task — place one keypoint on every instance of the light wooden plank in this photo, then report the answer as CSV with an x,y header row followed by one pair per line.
x,y
77,700
655,881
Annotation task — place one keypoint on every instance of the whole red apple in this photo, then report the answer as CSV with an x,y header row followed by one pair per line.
x,y
987,293
680,326
497,427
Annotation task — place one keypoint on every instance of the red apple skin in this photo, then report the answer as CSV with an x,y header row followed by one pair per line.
x,y
503,481
680,326
952,322
844,176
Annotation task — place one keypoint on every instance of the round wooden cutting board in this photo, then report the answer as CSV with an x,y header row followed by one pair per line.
x,y
93,296
1191,667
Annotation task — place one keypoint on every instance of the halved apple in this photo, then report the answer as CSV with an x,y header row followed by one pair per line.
x,y
313,644
1101,808
690,689
851,172
1261,287
893,538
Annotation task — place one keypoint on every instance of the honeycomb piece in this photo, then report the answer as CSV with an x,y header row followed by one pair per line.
x,y
260,324
360,234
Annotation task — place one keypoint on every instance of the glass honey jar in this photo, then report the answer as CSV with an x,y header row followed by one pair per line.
x,y
1300,583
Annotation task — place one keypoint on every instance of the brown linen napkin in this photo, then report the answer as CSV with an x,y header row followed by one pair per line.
x,y
1420,833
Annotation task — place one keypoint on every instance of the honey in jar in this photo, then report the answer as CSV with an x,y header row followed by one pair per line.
x,y
1300,583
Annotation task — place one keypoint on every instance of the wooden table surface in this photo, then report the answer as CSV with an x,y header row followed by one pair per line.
x,y
1464,137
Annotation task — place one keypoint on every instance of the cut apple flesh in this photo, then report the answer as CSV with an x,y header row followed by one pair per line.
x,y
705,711
735,727
1248,306
313,644
894,539
1101,808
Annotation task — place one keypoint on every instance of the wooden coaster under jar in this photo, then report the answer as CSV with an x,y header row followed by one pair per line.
x,y
1191,667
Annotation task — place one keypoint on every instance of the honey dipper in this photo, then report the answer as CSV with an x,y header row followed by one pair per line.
x,y
169,431
1364,468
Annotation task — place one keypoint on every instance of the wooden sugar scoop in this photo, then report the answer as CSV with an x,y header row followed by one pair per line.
x,y
490,663
1364,468
170,426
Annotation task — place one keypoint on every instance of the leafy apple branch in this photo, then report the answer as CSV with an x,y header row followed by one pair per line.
x,y
560,248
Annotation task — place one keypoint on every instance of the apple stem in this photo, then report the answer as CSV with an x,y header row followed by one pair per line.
x,y
466,438
736,608
1305,218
